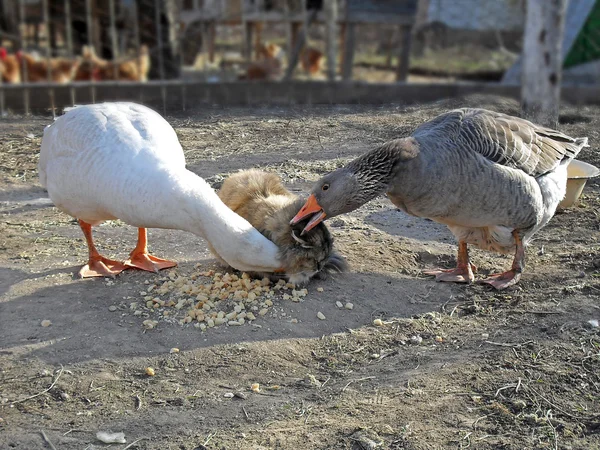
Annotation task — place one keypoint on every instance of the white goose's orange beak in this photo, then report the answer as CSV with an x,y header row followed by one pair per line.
x,y
310,207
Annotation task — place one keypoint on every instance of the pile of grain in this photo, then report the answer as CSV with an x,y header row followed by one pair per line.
x,y
210,299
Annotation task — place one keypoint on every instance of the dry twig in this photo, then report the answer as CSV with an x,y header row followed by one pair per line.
x,y
356,381
44,391
135,442
47,441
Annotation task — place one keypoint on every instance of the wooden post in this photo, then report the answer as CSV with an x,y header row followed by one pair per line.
x,y
404,57
295,55
331,15
258,26
542,60
349,39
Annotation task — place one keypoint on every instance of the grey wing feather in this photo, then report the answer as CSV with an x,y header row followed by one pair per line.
x,y
506,140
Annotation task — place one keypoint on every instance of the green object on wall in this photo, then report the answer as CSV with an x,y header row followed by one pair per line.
x,y
586,47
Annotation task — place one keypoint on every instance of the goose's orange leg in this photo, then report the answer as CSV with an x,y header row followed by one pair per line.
x,y
463,272
503,280
98,265
141,259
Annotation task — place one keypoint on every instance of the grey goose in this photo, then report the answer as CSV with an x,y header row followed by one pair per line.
x,y
493,179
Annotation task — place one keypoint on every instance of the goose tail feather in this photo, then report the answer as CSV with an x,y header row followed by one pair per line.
x,y
578,145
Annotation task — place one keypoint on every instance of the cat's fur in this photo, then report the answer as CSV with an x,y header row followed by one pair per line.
x,y
262,199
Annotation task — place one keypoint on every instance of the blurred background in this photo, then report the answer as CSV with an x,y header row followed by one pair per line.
x,y
87,50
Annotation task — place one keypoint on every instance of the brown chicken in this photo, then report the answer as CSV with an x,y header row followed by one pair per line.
x,y
311,60
268,67
9,67
130,69
62,70
262,199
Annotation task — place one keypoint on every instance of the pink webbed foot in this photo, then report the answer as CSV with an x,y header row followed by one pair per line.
x,y
99,266
462,274
504,280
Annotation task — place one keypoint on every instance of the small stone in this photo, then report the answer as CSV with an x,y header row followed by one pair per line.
x,y
378,322
294,321
112,308
339,304
46,323
416,339
593,323
320,289
228,395
349,305
150,371
65,396
320,315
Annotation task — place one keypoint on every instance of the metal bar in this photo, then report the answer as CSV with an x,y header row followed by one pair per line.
x,y
349,41
404,56
331,43
181,68
69,37
161,62
288,27
2,113
46,18
89,26
68,28
25,75
136,37
113,37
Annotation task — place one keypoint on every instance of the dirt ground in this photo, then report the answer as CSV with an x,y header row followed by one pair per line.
x,y
453,366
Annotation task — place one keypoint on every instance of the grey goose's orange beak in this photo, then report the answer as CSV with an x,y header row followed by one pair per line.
x,y
310,207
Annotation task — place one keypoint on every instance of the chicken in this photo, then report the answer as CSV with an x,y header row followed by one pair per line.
x,y
262,199
9,67
311,60
62,70
130,69
268,67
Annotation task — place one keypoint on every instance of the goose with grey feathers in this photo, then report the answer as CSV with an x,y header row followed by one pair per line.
x,y
493,179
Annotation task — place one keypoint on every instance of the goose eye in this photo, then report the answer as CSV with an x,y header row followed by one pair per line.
x,y
325,187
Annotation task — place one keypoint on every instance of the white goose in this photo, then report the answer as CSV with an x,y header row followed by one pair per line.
x,y
123,161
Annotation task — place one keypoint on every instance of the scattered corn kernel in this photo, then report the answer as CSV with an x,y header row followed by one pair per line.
x,y
349,305
150,371
320,315
378,322
45,323
255,387
174,350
